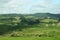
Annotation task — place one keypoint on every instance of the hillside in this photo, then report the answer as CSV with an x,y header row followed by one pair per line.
x,y
28,25
45,15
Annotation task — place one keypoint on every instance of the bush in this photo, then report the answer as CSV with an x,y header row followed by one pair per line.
x,y
15,35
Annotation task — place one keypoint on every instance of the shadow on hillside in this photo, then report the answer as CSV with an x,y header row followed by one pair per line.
x,y
7,28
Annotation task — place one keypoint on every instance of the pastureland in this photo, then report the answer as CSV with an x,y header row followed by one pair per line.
x,y
29,28
29,38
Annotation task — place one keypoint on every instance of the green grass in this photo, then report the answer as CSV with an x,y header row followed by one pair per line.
x,y
50,20
37,29
29,38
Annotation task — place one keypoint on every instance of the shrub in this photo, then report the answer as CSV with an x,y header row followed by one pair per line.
x,y
15,35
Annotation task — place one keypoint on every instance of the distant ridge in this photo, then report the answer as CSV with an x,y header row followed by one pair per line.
x,y
36,15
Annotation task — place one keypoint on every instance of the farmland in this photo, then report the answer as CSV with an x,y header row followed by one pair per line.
x,y
33,27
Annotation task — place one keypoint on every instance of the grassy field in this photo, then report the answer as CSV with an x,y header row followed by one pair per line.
x,y
40,31
29,38
50,32
36,30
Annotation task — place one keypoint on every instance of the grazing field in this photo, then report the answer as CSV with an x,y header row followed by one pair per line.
x,y
29,38
29,28
35,33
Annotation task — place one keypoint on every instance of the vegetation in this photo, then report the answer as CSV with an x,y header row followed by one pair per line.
x,y
24,27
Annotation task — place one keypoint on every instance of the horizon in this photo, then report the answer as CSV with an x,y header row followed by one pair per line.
x,y
28,13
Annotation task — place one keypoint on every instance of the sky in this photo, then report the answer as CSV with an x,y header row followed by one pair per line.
x,y
29,6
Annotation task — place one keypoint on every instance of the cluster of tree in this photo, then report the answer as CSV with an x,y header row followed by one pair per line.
x,y
30,21
16,23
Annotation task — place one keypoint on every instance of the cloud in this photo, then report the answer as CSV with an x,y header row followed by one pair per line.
x,y
42,6
55,8
3,1
18,6
29,6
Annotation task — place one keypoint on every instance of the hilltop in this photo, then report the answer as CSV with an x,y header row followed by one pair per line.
x,y
45,15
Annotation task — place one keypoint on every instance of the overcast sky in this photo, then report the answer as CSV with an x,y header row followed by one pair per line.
x,y
29,6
